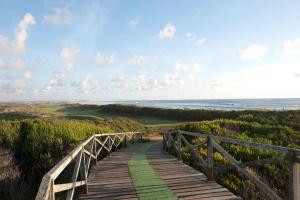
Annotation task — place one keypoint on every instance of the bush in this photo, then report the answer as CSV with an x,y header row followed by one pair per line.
x,y
276,175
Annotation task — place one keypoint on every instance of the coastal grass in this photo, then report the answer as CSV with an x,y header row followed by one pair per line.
x,y
247,128
35,145
90,112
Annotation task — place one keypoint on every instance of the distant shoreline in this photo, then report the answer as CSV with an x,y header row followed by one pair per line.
x,y
269,104
214,104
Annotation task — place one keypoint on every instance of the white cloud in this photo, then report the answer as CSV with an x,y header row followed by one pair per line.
x,y
200,41
17,85
133,24
297,75
18,64
189,71
18,45
69,54
101,59
167,32
137,59
144,82
254,52
292,47
61,17
85,85
270,80
193,68
58,77
188,35
56,81
214,84
28,75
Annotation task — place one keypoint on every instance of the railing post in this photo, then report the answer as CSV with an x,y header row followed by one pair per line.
x,y
210,159
164,142
108,144
83,171
179,146
52,195
141,137
125,140
294,179
95,150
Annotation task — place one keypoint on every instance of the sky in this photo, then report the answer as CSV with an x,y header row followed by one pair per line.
x,y
148,49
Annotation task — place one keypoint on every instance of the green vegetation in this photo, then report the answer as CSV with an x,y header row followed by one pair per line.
x,y
290,118
91,112
38,136
38,144
270,130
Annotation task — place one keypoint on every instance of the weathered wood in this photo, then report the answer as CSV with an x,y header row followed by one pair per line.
x,y
103,143
90,156
247,143
294,178
182,179
95,150
83,172
253,163
74,177
210,158
52,195
260,185
67,186
195,154
88,153
294,185
46,187
196,145
125,140
179,155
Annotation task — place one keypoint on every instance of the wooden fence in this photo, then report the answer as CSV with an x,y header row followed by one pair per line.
x,y
178,140
83,153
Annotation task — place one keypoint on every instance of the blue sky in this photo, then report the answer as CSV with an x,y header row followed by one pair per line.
x,y
127,50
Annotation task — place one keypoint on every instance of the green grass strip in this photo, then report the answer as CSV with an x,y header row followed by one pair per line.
x,y
146,181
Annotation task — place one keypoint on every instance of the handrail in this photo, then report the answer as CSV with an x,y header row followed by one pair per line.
x,y
96,143
176,137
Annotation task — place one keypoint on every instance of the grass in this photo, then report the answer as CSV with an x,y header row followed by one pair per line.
x,y
78,112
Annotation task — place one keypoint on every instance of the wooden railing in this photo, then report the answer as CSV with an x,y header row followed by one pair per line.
x,y
83,153
179,140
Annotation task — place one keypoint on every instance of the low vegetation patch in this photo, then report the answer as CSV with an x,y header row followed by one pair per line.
x,y
248,128
38,144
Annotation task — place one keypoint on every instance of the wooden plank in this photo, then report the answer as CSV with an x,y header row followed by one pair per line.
x,y
88,153
198,144
67,186
195,154
253,163
182,179
45,186
103,143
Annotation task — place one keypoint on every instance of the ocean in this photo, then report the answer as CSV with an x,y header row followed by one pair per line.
x,y
215,104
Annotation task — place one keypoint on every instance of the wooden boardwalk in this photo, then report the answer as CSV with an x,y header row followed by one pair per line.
x,y
111,179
